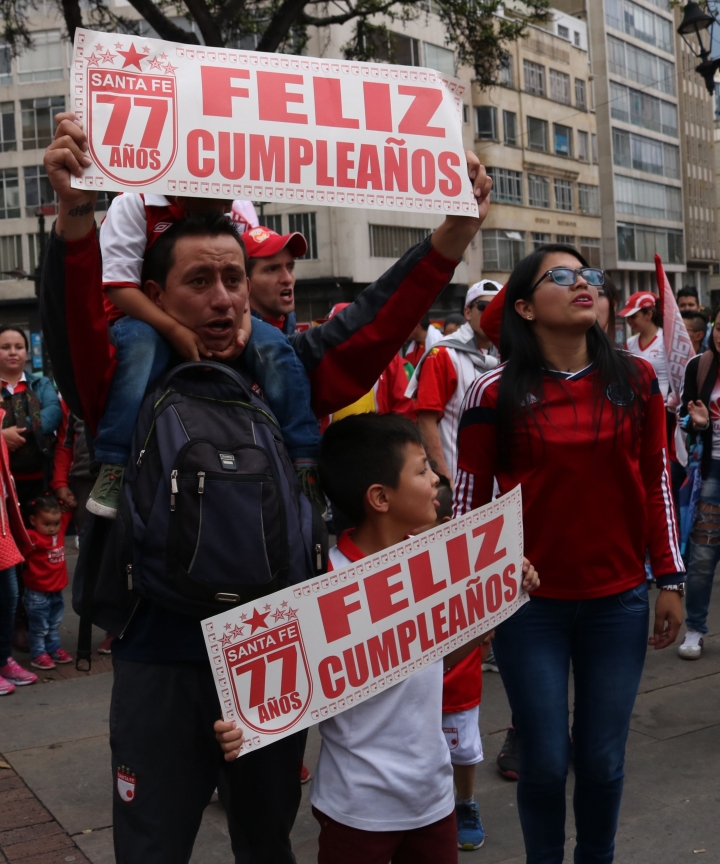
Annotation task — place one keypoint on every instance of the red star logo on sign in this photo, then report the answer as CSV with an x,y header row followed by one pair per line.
x,y
132,57
228,625
292,614
169,69
237,631
163,56
267,607
118,46
226,640
146,49
284,604
93,60
108,57
155,64
278,615
257,620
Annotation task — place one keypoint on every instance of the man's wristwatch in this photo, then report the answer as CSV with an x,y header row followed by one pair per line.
x,y
678,586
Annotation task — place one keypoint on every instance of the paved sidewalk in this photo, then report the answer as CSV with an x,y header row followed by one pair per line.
x,y
54,737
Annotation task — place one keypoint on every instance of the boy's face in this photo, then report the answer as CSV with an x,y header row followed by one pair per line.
x,y
47,522
413,503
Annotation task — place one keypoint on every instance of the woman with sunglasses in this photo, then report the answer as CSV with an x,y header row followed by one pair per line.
x,y
580,426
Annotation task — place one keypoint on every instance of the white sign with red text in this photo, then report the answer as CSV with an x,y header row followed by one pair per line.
x,y
303,654
268,127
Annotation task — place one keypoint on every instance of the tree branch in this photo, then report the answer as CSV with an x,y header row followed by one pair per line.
x,y
72,15
230,10
162,25
280,24
211,33
346,16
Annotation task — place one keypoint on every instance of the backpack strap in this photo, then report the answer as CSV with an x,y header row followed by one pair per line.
x,y
703,370
190,369
96,539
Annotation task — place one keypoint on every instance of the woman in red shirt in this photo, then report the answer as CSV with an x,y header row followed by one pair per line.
x,y
581,427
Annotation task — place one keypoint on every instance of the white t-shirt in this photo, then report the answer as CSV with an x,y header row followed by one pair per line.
x,y
384,764
654,353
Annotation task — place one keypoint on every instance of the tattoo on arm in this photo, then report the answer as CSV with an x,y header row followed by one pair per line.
x,y
82,209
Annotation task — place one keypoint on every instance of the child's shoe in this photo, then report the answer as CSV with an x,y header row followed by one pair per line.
x,y
103,500
6,687
13,672
305,775
61,656
469,827
43,661
105,647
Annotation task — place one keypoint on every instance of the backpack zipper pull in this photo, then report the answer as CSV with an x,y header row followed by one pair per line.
x,y
139,459
128,570
201,482
318,557
173,488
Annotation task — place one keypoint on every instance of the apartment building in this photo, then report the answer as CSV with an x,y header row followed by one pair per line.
x,y
537,136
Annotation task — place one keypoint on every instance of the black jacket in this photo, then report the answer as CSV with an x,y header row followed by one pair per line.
x,y
690,394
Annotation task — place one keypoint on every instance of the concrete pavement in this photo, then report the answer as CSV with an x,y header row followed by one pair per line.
x,y
54,736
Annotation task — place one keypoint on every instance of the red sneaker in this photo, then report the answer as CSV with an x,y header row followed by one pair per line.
x,y
6,687
304,774
43,662
61,656
104,646
13,672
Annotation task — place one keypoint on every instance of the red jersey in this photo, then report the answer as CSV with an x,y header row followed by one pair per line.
x,y
45,568
594,500
417,352
438,381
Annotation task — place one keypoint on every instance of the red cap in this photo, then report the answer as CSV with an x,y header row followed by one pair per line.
x,y
636,302
262,243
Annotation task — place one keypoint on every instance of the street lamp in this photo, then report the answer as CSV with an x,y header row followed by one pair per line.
x,y
696,29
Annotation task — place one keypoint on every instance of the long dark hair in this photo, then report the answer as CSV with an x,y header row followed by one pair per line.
x,y
613,296
520,394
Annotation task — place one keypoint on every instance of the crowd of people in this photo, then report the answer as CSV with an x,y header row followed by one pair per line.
x,y
389,425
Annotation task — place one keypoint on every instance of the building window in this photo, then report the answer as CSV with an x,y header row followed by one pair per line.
x,y
46,60
580,94
642,198
502,250
538,191
10,255
389,47
274,223
576,38
507,185
8,138
534,77
5,66
641,66
642,243
466,115
439,58
583,147
645,154
563,140
563,32
590,250
305,224
38,124
641,109
589,199
539,239
9,194
559,86
510,128
563,194
567,239
486,120
537,134
38,191
506,77
593,147
629,17
392,241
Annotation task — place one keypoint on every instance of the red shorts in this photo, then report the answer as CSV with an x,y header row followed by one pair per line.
x,y
432,844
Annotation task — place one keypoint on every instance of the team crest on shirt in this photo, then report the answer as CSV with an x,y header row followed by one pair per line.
x,y
619,395
451,736
132,120
269,671
126,783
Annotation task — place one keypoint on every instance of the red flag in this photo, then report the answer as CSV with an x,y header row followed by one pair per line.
x,y
678,347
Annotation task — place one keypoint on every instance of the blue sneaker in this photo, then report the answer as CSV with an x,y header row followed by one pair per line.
x,y
469,827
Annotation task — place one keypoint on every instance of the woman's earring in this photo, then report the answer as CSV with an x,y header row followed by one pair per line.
x,y
529,317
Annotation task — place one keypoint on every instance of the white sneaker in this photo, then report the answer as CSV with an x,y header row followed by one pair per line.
x,y
692,646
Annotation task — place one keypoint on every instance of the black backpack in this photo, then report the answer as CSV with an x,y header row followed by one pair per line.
x,y
210,515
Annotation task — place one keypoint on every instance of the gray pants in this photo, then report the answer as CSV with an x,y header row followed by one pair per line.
x,y
166,764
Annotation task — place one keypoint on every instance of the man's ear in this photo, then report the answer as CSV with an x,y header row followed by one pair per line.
x,y
155,292
467,312
376,499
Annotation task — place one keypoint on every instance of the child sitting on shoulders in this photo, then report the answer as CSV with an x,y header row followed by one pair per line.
x,y
45,575
383,788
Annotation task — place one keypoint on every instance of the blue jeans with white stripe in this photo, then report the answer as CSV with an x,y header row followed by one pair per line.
x,y
703,553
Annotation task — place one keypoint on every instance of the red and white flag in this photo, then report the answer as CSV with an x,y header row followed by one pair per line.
x,y
678,347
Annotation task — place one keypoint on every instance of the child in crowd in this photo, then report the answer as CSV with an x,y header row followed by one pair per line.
x,y
383,788
45,575
144,337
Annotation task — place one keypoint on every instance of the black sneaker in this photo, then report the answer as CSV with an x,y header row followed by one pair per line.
x,y
508,760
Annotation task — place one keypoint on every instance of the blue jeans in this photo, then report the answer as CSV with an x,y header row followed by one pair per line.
x,y
8,605
45,611
604,642
142,355
703,553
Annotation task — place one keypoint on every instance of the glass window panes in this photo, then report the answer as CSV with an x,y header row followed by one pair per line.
x,y
510,131
563,194
5,65
567,239
590,250
560,86
507,185
38,191
392,241
502,250
563,140
593,147
8,137
576,38
466,114
9,194
580,94
563,31
534,77
641,23
486,120
589,199
538,191
506,77
642,243
642,109
46,60
305,224
10,256
583,146
645,154
643,198
439,58
539,238
38,124
274,223
641,66
537,133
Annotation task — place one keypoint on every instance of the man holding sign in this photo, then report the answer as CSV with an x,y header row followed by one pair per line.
x,y
164,682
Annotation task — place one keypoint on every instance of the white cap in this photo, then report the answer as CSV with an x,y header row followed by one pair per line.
x,y
484,288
